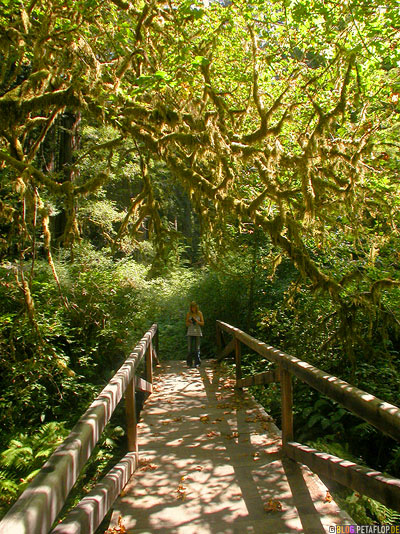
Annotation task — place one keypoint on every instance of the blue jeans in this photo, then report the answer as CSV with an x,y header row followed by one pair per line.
x,y
193,351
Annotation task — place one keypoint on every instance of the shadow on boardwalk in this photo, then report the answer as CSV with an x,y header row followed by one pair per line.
x,y
211,464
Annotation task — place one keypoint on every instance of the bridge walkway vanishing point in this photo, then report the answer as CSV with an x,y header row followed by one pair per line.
x,y
211,462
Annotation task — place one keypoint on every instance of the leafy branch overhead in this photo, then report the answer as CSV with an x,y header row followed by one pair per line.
x,y
281,114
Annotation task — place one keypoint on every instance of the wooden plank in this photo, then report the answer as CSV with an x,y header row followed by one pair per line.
x,y
381,414
37,508
131,419
90,512
287,406
238,362
143,385
230,347
261,378
362,479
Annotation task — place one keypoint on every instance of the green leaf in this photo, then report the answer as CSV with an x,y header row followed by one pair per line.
x,y
200,60
313,420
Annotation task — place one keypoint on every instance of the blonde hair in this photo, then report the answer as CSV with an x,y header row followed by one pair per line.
x,y
194,305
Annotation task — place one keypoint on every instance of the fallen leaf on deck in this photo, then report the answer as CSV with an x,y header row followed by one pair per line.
x,y
204,418
120,529
273,505
328,497
176,419
181,491
149,467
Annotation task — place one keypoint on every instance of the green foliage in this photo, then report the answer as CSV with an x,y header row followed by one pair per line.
x,y
23,458
365,510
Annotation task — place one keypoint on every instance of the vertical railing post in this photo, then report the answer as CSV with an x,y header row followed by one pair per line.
x,y
149,363
131,419
238,360
287,406
219,341
156,340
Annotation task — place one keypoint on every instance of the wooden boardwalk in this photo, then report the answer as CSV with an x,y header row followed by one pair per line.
x,y
211,464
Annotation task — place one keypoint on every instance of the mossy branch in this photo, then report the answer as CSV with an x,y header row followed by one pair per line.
x,y
38,176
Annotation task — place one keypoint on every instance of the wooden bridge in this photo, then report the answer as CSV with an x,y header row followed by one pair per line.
x,y
205,457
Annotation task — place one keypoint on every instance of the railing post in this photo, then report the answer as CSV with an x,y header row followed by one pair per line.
x,y
149,363
219,341
287,406
156,339
238,360
131,420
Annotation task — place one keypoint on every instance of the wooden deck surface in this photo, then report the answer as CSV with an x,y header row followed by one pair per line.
x,y
211,464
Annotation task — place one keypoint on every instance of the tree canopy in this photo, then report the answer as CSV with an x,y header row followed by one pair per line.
x,y
283,114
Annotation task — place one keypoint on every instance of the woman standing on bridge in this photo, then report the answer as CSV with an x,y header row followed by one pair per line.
x,y
194,322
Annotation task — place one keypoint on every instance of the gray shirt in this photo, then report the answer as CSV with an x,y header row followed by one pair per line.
x,y
194,329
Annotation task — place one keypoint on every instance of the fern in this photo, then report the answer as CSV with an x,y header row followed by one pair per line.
x,y
7,485
17,455
8,490
355,505
385,515
24,457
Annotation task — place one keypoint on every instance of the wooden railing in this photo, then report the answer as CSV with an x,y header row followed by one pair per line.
x,y
39,505
378,413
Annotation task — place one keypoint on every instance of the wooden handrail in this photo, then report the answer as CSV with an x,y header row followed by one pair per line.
x,y
37,508
381,414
